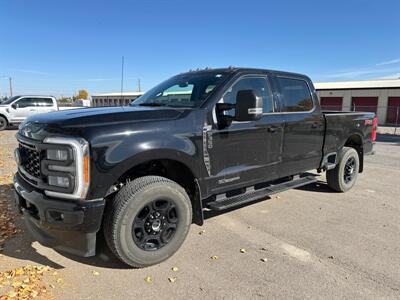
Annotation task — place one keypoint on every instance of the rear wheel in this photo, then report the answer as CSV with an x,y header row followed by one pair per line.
x,y
343,177
3,123
148,221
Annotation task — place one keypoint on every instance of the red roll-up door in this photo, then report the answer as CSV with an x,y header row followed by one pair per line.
x,y
393,110
331,103
365,104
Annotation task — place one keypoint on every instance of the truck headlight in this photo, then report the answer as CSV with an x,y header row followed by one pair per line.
x,y
56,154
67,159
59,181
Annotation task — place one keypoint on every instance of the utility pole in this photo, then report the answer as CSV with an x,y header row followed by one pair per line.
x,y
11,93
122,79
138,85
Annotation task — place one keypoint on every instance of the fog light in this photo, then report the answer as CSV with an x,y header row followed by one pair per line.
x,y
56,154
59,181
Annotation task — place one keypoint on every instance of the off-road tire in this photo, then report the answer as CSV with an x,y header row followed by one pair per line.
x,y
335,177
3,123
126,205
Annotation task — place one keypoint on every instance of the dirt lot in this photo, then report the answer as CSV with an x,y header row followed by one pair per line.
x,y
303,243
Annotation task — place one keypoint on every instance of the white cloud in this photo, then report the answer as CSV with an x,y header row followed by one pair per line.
x,y
391,76
389,62
362,72
30,71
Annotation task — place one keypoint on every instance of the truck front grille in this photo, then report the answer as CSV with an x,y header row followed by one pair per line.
x,y
30,160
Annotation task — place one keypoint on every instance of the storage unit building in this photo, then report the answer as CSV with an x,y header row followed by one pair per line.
x,y
379,96
114,99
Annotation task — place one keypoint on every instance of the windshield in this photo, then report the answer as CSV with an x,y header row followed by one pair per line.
x,y
186,90
10,100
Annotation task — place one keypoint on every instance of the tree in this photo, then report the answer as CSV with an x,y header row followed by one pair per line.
x,y
83,94
65,101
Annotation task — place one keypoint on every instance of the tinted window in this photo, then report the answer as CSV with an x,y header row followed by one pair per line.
x,y
185,90
177,94
258,84
25,102
44,102
296,95
10,100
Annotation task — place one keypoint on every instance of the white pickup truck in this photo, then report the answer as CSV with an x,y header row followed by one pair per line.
x,y
16,109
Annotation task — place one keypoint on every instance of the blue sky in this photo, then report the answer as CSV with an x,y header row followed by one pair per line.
x,y
58,47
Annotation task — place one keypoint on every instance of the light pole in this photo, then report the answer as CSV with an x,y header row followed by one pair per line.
x,y
10,80
10,84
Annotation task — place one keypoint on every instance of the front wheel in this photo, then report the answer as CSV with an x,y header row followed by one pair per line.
x,y
343,177
3,123
148,221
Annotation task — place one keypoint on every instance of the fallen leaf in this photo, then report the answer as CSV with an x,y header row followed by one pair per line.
x,y
24,283
175,269
202,232
95,273
243,250
214,257
19,271
172,279
12,294
264,259
148,279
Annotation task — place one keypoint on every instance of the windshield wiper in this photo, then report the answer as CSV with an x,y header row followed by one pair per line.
x,y
152,104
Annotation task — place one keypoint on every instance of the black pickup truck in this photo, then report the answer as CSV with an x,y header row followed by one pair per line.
x,y
204,140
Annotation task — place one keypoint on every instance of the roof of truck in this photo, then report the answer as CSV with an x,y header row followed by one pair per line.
x,y
50,96
243,69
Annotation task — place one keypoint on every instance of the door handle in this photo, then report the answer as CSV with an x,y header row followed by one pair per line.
x,y
32,110
271,129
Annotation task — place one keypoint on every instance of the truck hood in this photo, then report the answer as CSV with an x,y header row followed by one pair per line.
x,y
104,115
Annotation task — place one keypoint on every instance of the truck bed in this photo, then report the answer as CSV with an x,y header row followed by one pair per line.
x,y
339,126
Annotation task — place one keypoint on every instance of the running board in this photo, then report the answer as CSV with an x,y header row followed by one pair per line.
x,y
251,195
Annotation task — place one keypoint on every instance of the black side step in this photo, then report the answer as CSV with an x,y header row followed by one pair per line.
x,y
222,202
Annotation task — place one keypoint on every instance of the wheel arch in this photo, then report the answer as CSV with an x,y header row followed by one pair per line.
x,y
176,170
5,117
355,140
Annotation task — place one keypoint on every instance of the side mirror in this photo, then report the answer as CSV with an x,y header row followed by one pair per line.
x,y
249,107
14,105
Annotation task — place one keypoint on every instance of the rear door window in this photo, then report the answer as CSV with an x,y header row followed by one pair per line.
x,y
44,102
295,94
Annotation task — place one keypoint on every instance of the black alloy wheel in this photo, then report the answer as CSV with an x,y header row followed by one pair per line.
x,y
155,225
349,170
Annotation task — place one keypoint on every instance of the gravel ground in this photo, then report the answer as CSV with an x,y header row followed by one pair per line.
x,y
303,243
